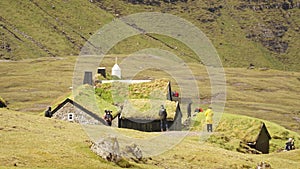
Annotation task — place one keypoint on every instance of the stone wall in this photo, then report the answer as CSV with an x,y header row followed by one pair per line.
x,y
79,115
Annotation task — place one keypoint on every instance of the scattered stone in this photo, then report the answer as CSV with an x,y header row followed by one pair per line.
x,y
263,165
245,148
263,69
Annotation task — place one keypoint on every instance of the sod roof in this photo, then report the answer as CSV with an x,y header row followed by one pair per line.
x,y
233,127
148,109
156,89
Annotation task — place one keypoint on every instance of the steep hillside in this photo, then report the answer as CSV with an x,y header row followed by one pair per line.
x,y
264,33
31,29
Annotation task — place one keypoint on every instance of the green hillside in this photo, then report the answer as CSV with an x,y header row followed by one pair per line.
x,y
32,29
260,32
264,33
40,42
50,143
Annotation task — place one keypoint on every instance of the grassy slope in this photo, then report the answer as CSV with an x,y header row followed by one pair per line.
x,y
36,142
59,28
47,28
49,143
227,28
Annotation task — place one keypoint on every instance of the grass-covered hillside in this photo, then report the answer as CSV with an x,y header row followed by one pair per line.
x,y
32,29
31,141
39,45
265,33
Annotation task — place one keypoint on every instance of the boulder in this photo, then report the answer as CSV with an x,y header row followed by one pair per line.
x,y
107,148
133,152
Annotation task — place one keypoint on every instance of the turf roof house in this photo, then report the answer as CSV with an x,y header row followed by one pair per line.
x,y
70,110
261,142
142,114
133,117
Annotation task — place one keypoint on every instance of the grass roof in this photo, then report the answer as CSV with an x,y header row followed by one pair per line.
x,y
233,130
250,127
148,109
85,96
154,89
118,92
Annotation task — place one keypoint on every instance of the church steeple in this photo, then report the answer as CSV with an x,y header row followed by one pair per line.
x,y
116,70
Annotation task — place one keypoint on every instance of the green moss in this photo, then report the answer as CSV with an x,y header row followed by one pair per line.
x,y
124,163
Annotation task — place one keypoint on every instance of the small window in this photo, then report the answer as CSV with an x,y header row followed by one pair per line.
x,y
71,117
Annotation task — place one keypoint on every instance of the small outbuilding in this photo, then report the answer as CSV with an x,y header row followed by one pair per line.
x,y
261,143
71,111
142,114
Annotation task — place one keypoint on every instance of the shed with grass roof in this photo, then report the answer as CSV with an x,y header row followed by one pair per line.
x,y
71,111
142,114
261,141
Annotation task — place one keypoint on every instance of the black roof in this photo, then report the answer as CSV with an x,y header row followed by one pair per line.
x,y
263,127
81,108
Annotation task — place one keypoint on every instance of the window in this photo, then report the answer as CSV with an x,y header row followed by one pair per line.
x,y
71,117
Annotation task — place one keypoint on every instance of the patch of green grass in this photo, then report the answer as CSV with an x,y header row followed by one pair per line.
x,y
85,96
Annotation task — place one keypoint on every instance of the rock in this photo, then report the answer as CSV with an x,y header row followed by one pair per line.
x,y
107,148
263,165
212,10
285,6
133,152
251,66
263,69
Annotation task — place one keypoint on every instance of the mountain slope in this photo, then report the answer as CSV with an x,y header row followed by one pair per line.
x,y
263,33
31,29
